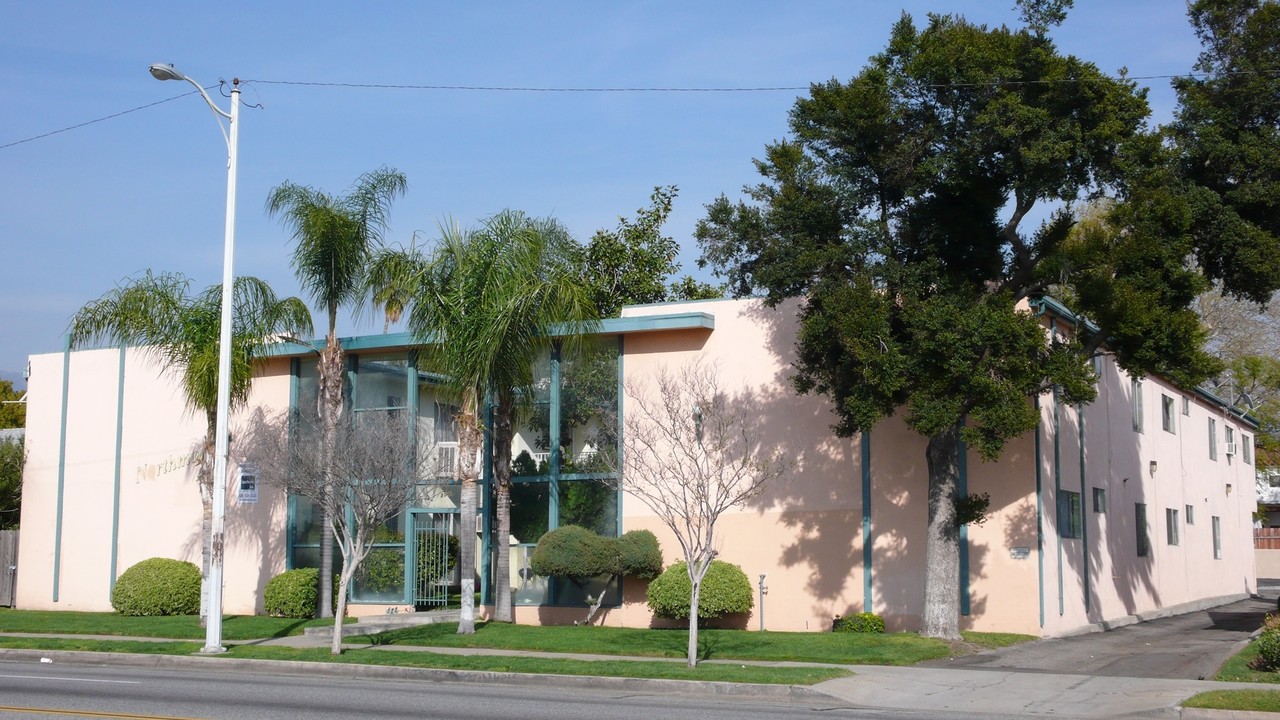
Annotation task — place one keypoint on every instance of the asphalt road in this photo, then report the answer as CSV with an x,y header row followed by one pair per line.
x,y
43,691
1189,647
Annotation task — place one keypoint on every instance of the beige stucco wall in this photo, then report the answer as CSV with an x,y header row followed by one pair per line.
x,y
159,503
805,533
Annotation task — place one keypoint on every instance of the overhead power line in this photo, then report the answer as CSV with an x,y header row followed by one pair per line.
x,y
96,120
519,89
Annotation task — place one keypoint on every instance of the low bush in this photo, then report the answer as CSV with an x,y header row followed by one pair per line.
x,y
725,590
864,622
1269,650
158,586
292,594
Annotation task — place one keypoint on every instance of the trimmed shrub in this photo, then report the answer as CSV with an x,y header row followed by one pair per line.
x,y
292,594
158,586
639,555
864,622
1269,649
725,590
573,551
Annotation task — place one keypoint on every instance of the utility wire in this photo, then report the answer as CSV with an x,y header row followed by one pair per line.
x,y
98,120
503,88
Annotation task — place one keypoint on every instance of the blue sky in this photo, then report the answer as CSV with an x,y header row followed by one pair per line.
x,y
83,209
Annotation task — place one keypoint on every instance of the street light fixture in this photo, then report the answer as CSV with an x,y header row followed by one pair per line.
x,y
230,133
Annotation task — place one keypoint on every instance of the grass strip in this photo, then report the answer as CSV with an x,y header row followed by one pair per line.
x,y
184,627
840,648
1249,700
1239,668
139,647
716,672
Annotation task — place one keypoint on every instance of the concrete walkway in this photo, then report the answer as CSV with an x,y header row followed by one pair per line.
x,y
1098,675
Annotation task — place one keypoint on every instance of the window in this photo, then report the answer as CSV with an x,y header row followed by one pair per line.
x,y
1135,392
1191,514
1186,405
1069,514
1217,538
1140,523
1213,439
1171,525
1167,413
1231,440
1246,444
1100,500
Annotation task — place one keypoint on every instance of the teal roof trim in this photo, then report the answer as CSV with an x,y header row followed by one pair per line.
x,y
1044,302
610,326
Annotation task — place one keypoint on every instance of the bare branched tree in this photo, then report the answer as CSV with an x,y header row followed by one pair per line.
x,y
376,467
690,454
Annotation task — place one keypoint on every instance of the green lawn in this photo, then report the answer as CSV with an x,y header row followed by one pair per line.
x,y
1252,700
185,627
841,649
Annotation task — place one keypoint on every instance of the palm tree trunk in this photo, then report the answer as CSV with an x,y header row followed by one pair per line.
x,y
503,418
330,381
942,541
469,436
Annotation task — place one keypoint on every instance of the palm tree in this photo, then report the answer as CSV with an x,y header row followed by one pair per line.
x,y
485,302
336,235
155,313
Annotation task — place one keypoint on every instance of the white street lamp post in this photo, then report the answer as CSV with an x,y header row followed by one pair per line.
x,y
230,133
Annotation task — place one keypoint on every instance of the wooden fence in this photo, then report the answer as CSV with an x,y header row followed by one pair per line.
x,y
1266,538
8,566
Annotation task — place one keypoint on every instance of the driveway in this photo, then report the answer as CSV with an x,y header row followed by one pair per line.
x,y
1191,646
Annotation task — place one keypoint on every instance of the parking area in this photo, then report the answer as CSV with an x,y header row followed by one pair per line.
x,y
1191,646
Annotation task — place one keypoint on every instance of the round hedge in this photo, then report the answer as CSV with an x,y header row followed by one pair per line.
x,y
573,551
292,594
639,555
725,590
158,586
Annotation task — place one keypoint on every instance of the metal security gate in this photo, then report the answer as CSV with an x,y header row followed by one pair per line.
x,y
436,558
8,567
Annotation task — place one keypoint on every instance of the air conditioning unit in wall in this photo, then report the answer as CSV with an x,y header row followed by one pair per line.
x,y
1231,448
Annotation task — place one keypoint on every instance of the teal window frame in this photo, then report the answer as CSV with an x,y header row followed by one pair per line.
x,y
1143,547
1070,522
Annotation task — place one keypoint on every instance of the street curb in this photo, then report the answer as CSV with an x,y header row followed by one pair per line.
x,y
355,670
1207,714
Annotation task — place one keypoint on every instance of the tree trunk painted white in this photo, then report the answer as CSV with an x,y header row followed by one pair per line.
x,y
695,589
469,437
942,540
